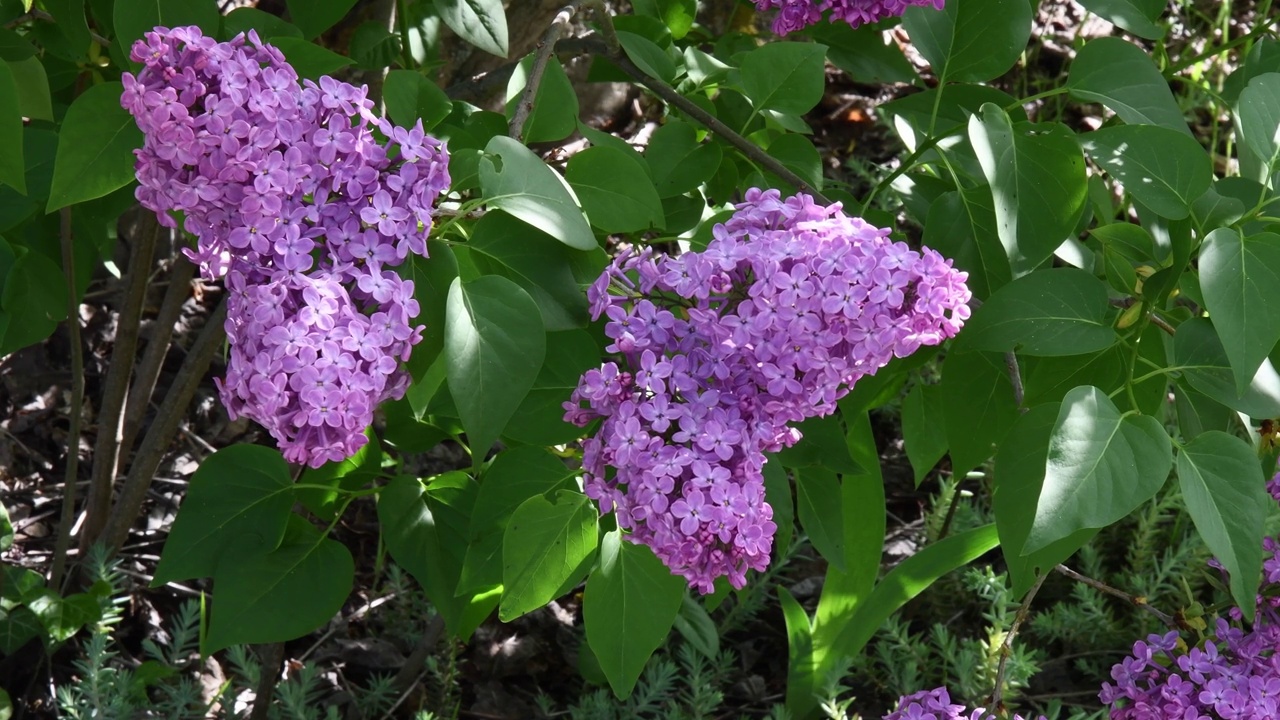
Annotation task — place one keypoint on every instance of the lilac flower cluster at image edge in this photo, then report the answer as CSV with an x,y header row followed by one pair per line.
x,y
294,201
1234,675
794,15
721,351
937,705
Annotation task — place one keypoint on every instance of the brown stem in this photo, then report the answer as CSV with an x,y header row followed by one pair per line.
x,y
271,659
163,428
524,107
67,521
144,381
106,450
1135,600
1006,647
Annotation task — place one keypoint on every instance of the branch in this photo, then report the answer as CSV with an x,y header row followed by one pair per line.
x,y
1006,647
1135,600
524,108
66,522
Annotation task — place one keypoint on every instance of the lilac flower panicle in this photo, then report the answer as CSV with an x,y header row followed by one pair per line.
x,y
796,15
1233,675
936,705
305,211
718,353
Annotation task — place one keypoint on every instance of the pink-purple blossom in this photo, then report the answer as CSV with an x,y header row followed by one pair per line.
x,y
936,705
718,354
794,15
305,210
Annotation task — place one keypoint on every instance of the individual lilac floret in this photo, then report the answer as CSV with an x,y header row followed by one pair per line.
x,y
1234,674
796,15
293,198
720,351
937,705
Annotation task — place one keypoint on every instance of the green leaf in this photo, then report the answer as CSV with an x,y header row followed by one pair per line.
x,y
315,16
777,492
340,477
1198,352
615,191
863,53
33,89
554,115
18,585
282,594
514,476
239,500
6,530
521,184
963,44
648,56
63,617
17,627
977,406
502,245
14,47
784,76
1123,77
696,626
1019,477
545,545
1224,488
1258,111
431,278
13,170
802,672
821,513
680,163
310,60
493,346
1137,16
923,433
244,19
1038,183
1164,169
797,153
1101,465
372,46
133,18
961,225
540,417
628,608
34,299
822,444
482,23
95,147
1059,311
1239,277
410,97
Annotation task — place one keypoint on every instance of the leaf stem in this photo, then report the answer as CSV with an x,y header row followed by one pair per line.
x,y
67,520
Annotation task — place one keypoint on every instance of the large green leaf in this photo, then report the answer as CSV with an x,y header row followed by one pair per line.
x,y
1061,311
540,418
802,670
34,301
17,627
978,406
133,18
1224,488
554,115
678,161
1137,16
1038,183
628,608
547,543
482,23
238,502
1164,169
923,434
432,276
63,617
521,184
1240,276
309,59
32,84
1258,111
1019,477
13,171
616,192
1198,353
340,477
821,512
410,97
863,54
1123,77
514,476
281,594
315,16
1100,466
963,43
95,147
961,224
784,76
493,346
503,245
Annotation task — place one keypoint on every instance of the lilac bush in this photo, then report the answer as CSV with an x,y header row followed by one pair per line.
x,y
295,200
721,351
1233,675
794,15
937,705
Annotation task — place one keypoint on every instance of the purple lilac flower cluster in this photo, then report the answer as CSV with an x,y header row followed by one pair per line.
x,y
796,15
1233,675
720,351
936,705
294,200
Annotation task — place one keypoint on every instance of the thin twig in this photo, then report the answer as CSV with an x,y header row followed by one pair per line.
x,y
163,428
144,381
271,658
1015,377
1006,647
524,107
111,413
77,404
1135,600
